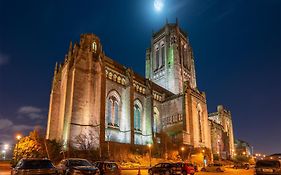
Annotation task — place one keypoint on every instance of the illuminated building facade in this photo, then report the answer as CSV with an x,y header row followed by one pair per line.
x,y
93,94
222,137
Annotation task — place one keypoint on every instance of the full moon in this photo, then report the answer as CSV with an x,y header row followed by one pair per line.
x,y
158,4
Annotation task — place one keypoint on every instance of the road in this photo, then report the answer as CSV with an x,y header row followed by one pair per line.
x,y
227,172
5,168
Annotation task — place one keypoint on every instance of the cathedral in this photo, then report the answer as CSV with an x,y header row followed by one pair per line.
x,y
95,95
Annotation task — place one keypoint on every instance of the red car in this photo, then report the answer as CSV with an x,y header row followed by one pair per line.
x,y
186,168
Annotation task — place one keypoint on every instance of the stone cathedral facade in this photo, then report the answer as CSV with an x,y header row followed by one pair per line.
x,y
93,94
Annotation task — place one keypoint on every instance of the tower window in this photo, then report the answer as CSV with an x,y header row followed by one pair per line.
x,y
162,55
157,59
94,47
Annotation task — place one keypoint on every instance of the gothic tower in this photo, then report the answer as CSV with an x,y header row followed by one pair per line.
x,y
170,61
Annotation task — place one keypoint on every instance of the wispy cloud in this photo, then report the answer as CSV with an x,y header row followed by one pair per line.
x,y
5,123
8,128
4,59
31,112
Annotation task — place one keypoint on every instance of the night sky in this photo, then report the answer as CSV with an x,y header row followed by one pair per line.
x,y
237,47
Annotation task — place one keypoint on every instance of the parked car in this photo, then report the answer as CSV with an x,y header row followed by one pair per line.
x,y
187,168
31,166
165,168
265,167
214,168
107,168
242,166
74,166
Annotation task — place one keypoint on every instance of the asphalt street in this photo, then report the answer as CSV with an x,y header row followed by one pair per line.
x,y
5,170
229,171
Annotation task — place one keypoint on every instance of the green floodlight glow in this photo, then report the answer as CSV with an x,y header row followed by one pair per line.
x,y
171,56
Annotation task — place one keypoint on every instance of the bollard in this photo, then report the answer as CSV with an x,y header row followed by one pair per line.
x,y
139,171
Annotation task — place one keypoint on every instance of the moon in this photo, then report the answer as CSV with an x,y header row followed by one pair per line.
x,y
158,4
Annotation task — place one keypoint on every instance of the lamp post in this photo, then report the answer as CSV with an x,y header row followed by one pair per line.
x,y
18,137
6,146
182,150
4,154
204,158
149,147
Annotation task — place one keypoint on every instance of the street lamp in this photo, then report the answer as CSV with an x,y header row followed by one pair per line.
x,y
4,154
18,137
204,158
149,147
6,146
182,150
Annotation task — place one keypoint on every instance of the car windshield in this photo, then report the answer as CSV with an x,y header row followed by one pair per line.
x,y
268,163
36,164
79,163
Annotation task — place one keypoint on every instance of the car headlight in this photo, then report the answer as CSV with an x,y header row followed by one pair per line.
x,y
77,172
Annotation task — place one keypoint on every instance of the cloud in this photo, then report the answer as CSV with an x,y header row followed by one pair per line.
x,y
5,123
29,109
8,129
30,112
23,127
4,59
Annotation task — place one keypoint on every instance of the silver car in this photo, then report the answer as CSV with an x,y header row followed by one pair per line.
x,y
214,168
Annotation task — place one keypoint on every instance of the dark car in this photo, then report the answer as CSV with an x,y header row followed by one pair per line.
x,y
32,166
107,168
242,166
266,167
165,168
74,166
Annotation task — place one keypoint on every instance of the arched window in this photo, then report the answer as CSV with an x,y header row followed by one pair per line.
x,y
156,120
157,58
94,46
113,109
162,54
137,115
199,114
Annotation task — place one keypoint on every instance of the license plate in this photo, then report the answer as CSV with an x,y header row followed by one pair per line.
x,y
267,170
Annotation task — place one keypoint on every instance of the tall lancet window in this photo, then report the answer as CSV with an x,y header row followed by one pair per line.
x,y
156,120
113,109
162,54
157,58
200,122
137,115
94,46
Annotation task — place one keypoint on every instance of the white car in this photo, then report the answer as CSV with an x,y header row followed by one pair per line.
x,y
214,168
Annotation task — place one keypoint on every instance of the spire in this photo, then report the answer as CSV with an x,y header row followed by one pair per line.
x,y
56,68
70,49
177,21
167,20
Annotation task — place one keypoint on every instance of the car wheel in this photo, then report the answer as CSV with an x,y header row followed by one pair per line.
x,y
167,173
218,170
203,169
150,172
